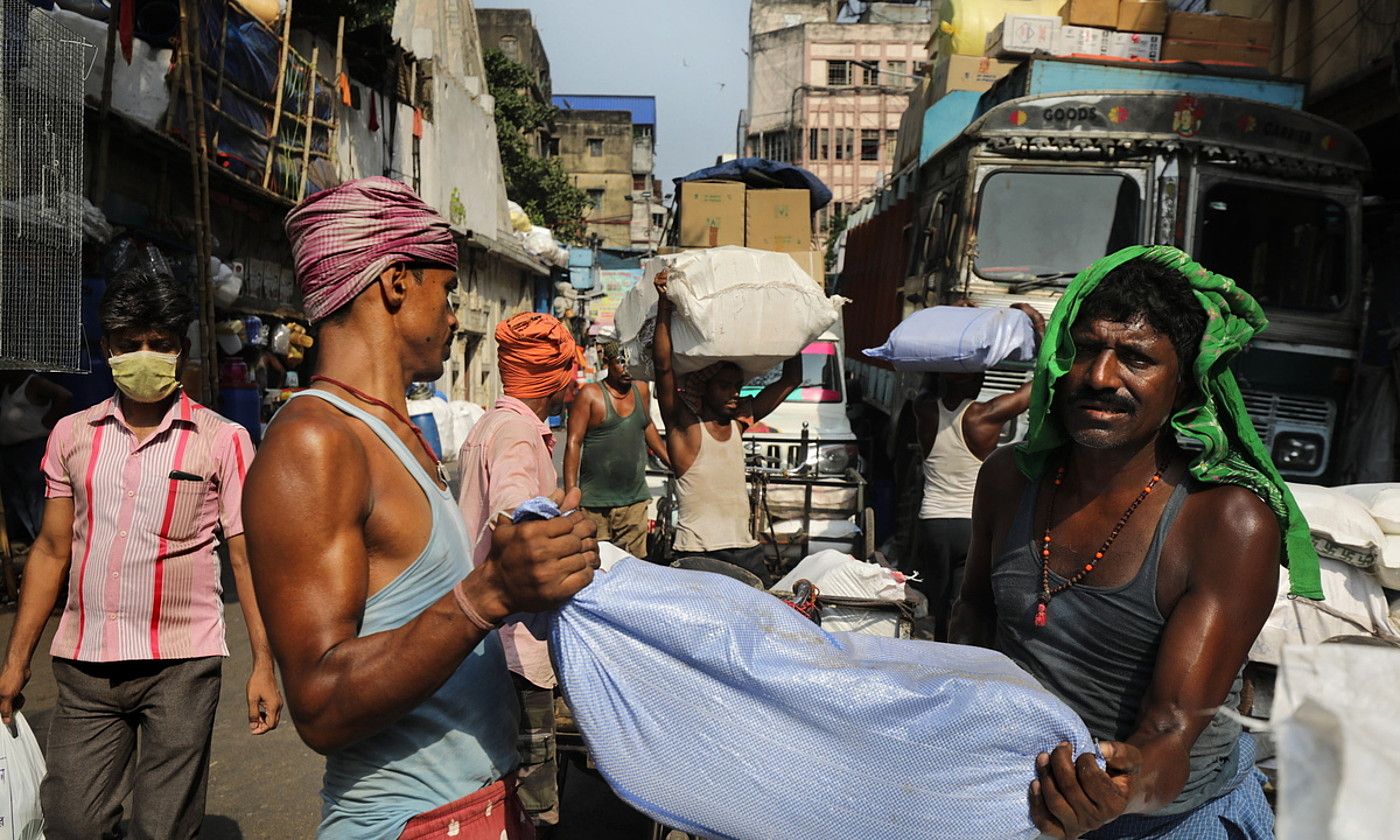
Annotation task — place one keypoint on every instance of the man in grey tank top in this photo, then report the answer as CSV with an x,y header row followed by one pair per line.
x,y
1125,584
705,422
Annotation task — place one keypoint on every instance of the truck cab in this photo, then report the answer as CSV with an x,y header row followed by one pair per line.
x,y
1065,161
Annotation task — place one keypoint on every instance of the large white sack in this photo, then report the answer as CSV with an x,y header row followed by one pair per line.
x,y
958,339
1334,718
843,576
1382,500
754,308
1387,568
1353,605
1342,527
21,771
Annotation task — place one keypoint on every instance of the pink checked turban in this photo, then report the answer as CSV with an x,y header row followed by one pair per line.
x,y
344,237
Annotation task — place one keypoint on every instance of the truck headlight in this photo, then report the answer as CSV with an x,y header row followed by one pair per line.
x,y
1298,451
836,458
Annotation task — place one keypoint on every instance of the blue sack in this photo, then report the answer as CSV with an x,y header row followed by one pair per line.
x,y
719,710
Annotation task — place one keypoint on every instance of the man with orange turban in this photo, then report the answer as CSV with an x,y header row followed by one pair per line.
x,y
507,459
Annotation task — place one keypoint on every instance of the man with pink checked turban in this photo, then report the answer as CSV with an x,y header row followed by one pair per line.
x,y
381,617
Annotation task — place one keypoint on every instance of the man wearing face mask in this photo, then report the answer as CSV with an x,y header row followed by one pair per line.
x,y
140,489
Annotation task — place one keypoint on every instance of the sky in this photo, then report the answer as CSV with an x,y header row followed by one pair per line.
x,y
689,55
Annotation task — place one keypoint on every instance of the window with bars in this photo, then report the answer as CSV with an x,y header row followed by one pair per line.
x,y
595,147
891,142
870,144
595,199
838,73
870,73
899,69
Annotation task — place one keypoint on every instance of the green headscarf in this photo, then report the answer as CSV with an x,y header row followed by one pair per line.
x,y
1231,450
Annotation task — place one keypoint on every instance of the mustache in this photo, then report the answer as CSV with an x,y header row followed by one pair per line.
x,y
1111,400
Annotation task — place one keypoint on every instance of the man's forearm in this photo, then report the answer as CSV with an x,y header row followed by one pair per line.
x,y
572,457
44,575
972,625
252,616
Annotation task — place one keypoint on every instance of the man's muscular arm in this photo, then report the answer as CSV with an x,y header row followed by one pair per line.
x,y
682,440
1232,541
312,583
655,444
580,419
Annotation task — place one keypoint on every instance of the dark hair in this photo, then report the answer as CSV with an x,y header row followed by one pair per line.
x,y
1159,295
142,300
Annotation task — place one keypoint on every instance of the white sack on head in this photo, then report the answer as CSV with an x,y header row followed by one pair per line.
x,y
754,308
958,339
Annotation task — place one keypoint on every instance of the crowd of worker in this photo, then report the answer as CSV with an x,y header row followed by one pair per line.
x,y
1127,576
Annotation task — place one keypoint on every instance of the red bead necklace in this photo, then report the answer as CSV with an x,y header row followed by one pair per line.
x,y
1042,609
398,415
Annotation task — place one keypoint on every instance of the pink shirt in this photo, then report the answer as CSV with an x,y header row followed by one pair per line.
x,y
144,578
507,459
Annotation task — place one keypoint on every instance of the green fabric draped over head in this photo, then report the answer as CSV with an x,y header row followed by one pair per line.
x,y
1231,452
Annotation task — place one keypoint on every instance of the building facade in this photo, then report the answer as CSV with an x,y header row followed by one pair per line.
x,y
512,32
607,144
828,83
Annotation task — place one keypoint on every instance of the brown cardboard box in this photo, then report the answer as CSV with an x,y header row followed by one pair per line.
x,y
1099,13
712,214
1256,9
1218,38
814,263
966,72
779,220
1142,16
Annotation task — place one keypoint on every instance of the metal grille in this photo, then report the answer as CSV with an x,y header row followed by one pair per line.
x,y
41,202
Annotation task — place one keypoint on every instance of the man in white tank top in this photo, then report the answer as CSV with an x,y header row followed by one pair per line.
x,y
704,428
956,434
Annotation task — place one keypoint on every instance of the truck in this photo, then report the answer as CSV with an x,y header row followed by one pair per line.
x,y
1067,160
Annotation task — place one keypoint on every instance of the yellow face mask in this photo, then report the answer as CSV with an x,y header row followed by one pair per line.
x,y
145,375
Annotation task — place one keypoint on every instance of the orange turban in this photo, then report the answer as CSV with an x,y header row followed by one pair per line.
x,y
536,355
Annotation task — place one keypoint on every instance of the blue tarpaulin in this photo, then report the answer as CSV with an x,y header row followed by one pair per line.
x,y
761,172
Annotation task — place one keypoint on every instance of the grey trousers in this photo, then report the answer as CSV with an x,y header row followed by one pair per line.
x,y
92,741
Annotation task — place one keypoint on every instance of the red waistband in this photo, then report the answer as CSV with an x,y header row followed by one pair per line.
x,y
488,814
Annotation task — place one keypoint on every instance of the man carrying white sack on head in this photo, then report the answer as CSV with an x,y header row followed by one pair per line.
x,y
1128,575
705,422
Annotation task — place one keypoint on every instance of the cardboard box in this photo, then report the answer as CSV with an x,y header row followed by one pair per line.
x,y
1142,16
966,72
1218,38
814,263
1102,14
779,220
1021,35
1255,9
1080,40
1136,45
712,214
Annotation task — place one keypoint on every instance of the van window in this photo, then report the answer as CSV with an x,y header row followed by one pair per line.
x,y
1285,248
821,376
1049,224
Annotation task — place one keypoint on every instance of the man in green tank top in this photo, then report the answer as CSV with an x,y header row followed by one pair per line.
x,y
610,433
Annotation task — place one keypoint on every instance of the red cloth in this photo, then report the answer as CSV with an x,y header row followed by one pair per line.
x,y
536,355
492,813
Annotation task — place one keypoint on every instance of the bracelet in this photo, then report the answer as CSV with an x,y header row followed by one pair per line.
x,y
465,605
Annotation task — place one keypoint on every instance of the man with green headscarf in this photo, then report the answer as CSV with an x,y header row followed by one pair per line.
x,y
1133,574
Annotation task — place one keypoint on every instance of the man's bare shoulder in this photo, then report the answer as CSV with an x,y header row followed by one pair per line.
x,y
1228,515
315,436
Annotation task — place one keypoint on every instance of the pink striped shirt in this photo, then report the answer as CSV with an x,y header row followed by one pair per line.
x,y
144,579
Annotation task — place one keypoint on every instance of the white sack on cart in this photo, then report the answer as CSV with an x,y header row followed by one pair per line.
x,y
754,308
1382,500
1334,720
1353,605
841,575
1342,528
717,709
958,339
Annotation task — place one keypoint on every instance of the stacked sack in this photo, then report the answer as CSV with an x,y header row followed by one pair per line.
x,y
1359,559
754,308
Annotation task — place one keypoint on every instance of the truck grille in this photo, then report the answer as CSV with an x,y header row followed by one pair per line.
x,y
1266,410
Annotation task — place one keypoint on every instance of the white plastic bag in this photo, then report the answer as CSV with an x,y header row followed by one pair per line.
x,y
1342,527
21,771
841,575
958,339
754,308
1334,719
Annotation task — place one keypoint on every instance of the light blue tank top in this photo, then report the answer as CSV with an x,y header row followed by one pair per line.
x,y
454,743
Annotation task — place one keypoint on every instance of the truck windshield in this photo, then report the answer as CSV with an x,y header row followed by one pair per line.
x,y
821,377
1288,249
1046,224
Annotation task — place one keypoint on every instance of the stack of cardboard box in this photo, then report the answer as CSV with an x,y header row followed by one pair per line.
x,y
716,213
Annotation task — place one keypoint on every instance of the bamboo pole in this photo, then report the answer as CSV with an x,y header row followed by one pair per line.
x,y
198,175
277,102
333,135
104,137
223,63
310,126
